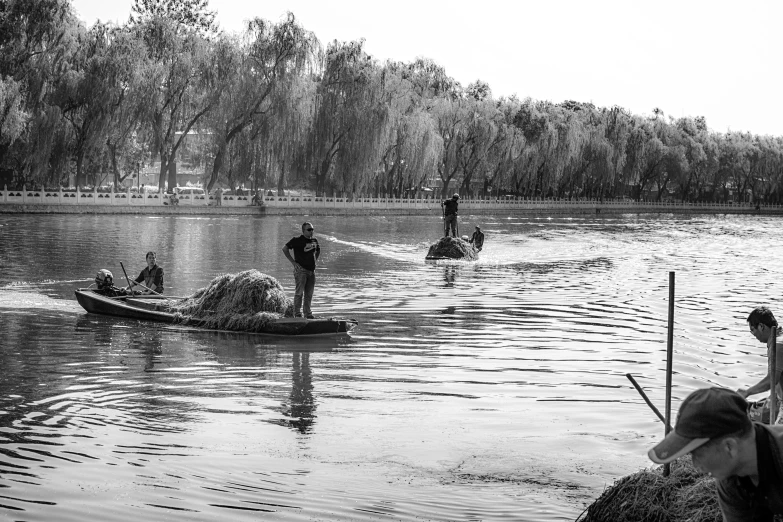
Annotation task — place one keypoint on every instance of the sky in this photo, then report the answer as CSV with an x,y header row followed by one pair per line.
x,y
717,59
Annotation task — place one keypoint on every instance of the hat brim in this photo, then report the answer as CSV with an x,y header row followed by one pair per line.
x,y
673,447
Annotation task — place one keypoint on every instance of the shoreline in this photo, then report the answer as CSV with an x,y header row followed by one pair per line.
x,y
528,208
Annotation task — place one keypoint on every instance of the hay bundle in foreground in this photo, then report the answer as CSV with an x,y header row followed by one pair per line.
x,y
685,495
246,302
452,248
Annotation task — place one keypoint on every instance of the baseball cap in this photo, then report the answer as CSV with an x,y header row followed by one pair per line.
x,y
705,414
455,196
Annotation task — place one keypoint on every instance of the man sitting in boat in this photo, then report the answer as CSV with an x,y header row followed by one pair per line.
x,y
477,240
150,280
104,284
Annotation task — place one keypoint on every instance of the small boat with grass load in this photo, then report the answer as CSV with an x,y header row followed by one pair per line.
x,y
452,248
245,302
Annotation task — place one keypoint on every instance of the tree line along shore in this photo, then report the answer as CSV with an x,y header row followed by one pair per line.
x,y
272,106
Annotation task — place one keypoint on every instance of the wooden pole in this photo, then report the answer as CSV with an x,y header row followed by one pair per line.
x,y
646,399
773,395
669,357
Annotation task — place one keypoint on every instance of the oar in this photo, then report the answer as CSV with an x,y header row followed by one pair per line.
x,y
130,287
644,396
151,290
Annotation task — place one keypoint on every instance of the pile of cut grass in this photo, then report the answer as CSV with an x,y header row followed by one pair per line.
x,y
246,302
453,248
685,495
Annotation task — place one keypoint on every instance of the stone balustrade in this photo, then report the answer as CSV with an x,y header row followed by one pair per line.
x,y
126,198
133,199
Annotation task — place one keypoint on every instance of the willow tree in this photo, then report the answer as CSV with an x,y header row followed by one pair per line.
x,y
700,153
181,83
37,43
482,133
541,135
588,149
413,147
268,59
617,124
351,124
86,94
286,131
452,115
769,167
123,140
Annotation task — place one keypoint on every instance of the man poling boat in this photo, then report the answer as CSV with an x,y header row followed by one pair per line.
x,y
450,210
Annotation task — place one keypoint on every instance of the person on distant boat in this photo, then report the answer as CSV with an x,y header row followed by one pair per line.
x,y
104,284
743,457
761,321
151,278
450,209
306,252
477,239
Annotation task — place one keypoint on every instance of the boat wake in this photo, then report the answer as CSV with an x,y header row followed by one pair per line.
x,y
32,285
15,300
398,252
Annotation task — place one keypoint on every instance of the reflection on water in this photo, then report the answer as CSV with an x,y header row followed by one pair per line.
x,y
491,390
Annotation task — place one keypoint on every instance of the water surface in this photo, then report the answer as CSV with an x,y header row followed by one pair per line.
x,y
493,390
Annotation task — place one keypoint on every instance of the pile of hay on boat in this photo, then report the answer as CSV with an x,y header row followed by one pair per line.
x,y
685,495
247,302
452,248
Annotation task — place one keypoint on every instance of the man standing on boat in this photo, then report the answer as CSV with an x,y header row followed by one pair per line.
x,y
745,458
450,209
761,321
152,277
306,252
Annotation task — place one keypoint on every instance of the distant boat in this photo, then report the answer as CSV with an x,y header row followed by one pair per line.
x,y
452,248
149,308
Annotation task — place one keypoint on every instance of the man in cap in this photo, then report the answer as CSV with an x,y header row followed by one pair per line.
x,y
744,458
450,208
477,239
761,321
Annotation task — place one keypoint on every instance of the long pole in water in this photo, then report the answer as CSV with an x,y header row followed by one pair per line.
x,y
773,396
646,399
443,210
669,356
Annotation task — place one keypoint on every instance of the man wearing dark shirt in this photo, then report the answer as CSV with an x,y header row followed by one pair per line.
x,y
450,209
306,252
150,279
744,458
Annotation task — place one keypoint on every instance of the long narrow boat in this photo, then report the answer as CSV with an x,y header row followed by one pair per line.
x,y
145,308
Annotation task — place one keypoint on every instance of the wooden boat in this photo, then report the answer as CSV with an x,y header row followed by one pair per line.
x,y
145,308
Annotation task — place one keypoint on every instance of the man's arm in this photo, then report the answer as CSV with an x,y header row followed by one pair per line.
x,y
157,283
317,250
759,387
287,253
